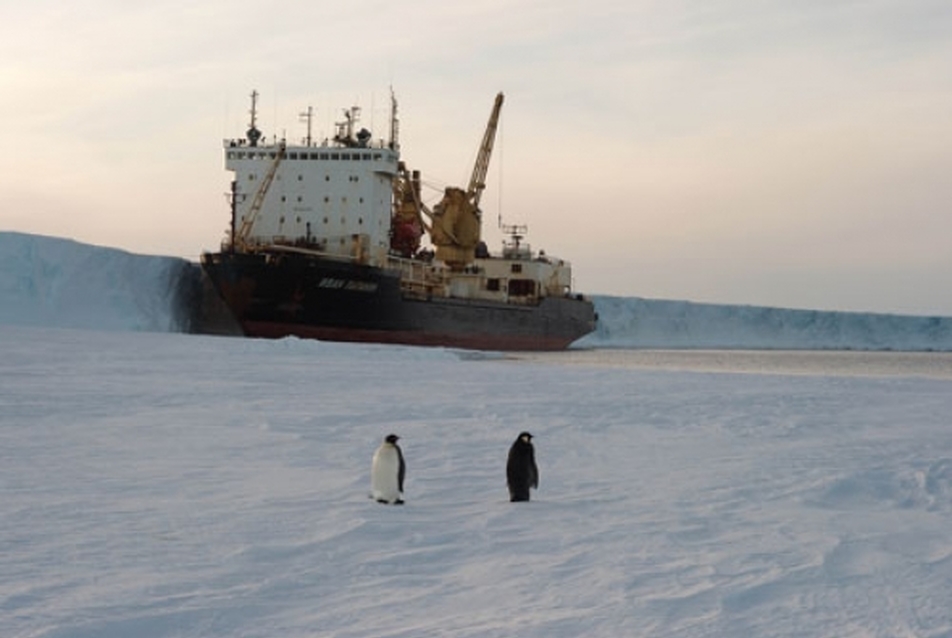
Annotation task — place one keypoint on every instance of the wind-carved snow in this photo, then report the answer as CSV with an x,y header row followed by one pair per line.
x,y
159,484
60,283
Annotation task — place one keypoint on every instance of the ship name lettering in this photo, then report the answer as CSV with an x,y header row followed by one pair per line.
x,y
331,282
347,284
361,286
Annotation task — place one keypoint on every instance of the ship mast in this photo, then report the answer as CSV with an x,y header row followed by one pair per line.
x,y
394,123
253,133
308,116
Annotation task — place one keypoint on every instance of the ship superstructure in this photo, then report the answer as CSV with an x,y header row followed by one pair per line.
x,y
325,241
333,198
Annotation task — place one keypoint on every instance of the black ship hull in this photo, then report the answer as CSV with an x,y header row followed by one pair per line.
x,y
277,295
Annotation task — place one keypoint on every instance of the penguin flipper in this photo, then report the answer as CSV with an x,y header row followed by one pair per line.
x,y
403,469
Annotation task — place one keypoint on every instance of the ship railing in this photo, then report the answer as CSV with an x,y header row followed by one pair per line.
x,y
262,145
416,275
263,246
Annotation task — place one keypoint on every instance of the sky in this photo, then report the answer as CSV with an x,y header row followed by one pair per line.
x,y
781,154
182,485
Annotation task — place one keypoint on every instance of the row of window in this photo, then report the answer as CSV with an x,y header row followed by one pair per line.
x,y
327,178
326,156
343,220
516,287
327,199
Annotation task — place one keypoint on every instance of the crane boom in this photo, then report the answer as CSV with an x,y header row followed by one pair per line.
x,y
241,237
455,221
478,181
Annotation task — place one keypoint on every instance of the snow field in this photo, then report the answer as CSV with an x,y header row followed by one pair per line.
x,y
175,485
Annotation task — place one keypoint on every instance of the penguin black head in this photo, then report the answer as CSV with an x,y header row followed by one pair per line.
x,y
392,438
526,437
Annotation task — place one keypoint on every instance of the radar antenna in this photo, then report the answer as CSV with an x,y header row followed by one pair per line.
x,y
345,129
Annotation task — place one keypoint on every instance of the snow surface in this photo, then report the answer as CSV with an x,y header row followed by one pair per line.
x,y
61,283
159,484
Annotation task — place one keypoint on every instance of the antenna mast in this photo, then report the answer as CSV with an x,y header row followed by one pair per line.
x,y
253,133
394,123
308,116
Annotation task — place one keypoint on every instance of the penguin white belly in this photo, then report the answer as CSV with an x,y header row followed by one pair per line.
x,y
384,473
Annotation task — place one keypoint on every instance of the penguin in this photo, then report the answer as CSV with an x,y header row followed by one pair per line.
x,y
521,470
387,472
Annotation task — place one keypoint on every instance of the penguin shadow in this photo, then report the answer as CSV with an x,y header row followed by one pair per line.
x,y
384,501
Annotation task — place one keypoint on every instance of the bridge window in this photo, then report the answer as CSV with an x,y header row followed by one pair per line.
x,y
521,287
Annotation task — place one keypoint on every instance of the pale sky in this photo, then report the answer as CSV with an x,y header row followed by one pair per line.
x,y
789,154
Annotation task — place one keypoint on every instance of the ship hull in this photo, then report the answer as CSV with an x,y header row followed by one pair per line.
x,y
280,295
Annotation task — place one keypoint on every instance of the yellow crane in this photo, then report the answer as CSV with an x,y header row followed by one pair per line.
x,y
478,181
456,228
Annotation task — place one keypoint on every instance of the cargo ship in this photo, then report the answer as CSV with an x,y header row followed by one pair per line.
x,y
326,241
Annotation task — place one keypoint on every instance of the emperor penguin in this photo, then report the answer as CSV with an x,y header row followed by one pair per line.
x,y
387,472
521,470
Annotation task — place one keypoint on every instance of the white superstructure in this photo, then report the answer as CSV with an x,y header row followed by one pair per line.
x,y
333,197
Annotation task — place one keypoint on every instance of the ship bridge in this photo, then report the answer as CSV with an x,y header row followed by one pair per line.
x,y
332,198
